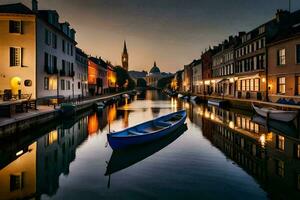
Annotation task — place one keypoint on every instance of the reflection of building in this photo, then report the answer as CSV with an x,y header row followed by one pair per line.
x,y
272,158
55,152
93,124
18,179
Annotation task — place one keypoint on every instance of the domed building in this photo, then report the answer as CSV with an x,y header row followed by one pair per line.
x,y
154,75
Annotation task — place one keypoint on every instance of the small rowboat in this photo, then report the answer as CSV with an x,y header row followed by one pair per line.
x,y
280,115
147,131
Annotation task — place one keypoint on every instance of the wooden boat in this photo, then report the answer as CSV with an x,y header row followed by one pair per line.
x,y
280,115
122,159
147,131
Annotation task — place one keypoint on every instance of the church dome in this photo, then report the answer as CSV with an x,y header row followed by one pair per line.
x,y
154,69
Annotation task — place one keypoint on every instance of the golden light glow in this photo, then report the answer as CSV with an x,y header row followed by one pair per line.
x,y
262,140
93,124
52,137
231,124
15,83
19,153
174,84
263,80
231,80
201,82
52,83
173,103
213,81
207,82
112,113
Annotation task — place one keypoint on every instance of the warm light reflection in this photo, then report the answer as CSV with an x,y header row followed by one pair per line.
x,y
262,140
93,124
231,124
173,103
52,137
112,113
186,105
19,153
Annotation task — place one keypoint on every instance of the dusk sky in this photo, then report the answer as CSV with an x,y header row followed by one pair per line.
x,y
171,32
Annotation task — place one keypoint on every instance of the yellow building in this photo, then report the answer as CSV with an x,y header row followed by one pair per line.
x,y
18,50
18,179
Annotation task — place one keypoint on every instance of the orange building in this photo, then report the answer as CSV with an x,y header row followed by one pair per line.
x,y
111,77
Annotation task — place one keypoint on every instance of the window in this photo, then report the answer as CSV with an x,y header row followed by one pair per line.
x,y
248,85
261,30
251,84
63,46
46,83
298,151
256,84
54,41
15,26
281,85
47,37
79,85
280,168
280,142
16,182
15,56
62,84
68,85
298,53
243,85
281,57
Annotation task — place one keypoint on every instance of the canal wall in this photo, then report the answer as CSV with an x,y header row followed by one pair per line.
x,y
15,126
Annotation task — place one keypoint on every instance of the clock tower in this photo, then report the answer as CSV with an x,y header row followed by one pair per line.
x,y
125,57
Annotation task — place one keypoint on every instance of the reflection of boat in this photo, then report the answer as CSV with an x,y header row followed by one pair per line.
x,y
68,109
127,96
280,115
99,105
124,158
287,129
147,131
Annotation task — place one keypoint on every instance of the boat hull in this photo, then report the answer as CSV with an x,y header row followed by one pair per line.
x,y
125,142
285,116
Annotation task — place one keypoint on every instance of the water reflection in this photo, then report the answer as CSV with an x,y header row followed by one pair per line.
x,y
270,153
54,161
125,158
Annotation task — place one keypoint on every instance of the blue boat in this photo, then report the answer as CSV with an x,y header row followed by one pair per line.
x,y
147,131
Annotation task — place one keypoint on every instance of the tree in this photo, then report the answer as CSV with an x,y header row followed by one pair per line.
x,y
141,82
164,82
123,78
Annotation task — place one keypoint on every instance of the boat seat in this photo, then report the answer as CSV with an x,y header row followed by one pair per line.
x,y
162,124
133,132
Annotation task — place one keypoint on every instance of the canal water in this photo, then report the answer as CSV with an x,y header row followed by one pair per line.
x,y
218,154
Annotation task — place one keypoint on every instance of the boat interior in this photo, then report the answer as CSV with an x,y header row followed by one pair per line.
x,y
152,126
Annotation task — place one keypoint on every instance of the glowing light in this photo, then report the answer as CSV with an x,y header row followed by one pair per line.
x,y
262,140
263,80
207,82
201,82
236,78
207,114
231,80
213,81
186,105
15,83
52,137
231,124
212,116
19,153
93,124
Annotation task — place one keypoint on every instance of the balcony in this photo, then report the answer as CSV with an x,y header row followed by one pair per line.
x,y
51,70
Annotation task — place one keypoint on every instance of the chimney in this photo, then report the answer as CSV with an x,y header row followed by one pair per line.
x,y
34,5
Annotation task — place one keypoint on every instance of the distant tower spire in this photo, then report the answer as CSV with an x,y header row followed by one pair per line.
x,y
125,57
155,64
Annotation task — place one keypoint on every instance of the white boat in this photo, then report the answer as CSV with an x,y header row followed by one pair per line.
x,y
280,115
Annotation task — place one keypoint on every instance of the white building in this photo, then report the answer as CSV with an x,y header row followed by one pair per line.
x,y
197,76
37,52
81,85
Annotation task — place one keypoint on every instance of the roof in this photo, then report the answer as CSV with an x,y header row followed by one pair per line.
x,y
99,62
154,69
81,52
17,8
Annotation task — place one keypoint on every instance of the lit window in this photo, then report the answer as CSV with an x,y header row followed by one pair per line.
x,y
51,137
298,151
281,85
280,142
15,26
281,57
256,84
15,56
280,168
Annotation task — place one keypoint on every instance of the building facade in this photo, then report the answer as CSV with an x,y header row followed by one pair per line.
x,y
82,72
97,76
197,75
38,53
284,71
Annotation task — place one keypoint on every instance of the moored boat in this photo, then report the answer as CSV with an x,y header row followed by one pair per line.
x,y
147,131
272,113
